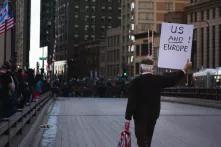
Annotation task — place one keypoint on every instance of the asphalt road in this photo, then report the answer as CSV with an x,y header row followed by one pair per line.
x,y
96,122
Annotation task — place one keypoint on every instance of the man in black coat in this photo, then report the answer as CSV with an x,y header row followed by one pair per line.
x,y
144,100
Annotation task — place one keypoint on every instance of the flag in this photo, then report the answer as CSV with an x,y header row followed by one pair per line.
x,y
7,20
9,24
4,12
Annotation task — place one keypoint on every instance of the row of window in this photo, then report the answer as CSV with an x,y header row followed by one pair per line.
x,y
209,62
93,8
113,70
113,41
144,49
93,17
92,36
205,14
95,0
145,16
92,28
113,56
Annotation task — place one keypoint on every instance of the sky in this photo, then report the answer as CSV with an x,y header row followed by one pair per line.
x,y
35,50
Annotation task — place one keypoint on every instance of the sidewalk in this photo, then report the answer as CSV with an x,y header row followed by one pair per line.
x,y
193,101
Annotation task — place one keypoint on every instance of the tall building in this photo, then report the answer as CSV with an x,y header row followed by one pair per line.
x,y
127,7
205,15
22,39
47,26
82,21
7,46
144,16
112,54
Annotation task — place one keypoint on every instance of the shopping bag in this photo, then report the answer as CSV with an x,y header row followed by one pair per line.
x,y
125,139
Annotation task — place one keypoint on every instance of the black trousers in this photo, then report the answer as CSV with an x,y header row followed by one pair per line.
x,y
144,132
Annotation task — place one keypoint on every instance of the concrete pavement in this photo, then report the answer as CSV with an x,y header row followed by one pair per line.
x,y
96,122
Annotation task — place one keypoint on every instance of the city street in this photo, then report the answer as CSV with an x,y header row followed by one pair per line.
x,y
96,122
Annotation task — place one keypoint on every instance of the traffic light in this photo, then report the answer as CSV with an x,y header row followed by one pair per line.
x,y
125,72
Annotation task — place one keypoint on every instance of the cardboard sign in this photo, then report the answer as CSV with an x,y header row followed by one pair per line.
x,y
175,45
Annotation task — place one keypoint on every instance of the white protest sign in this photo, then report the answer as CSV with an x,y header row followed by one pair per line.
x,y
175,45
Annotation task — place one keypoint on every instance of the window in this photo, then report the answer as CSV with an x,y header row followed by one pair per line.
x,y
207,14
202,15
132,6
220,44
159,27
86,18
169,6
76,36
85,37
86,27
208,47
213,46
93,20
132,27
202,45
137,50
86,8
93,9
144,49
220,11
103,8
214,12
191,17
132,48
195,16
145,16
145,5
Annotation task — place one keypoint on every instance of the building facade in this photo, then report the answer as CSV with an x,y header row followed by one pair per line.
x,y
8,50
47,27
126,9
146,16
145,45
205,15
113,54
22,39
176,17
82,21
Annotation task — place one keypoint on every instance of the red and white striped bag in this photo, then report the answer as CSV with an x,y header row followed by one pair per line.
x,y
125,139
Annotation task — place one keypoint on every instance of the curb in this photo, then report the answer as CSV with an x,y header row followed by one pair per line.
x,y
193,101
32,135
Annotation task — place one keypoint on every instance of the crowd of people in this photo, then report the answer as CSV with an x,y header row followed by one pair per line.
x,y
19,87
87,87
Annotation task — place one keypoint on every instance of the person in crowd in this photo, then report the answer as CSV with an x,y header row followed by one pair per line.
x,y
144,99
2,72
55,87
7,93
37,87
24,89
